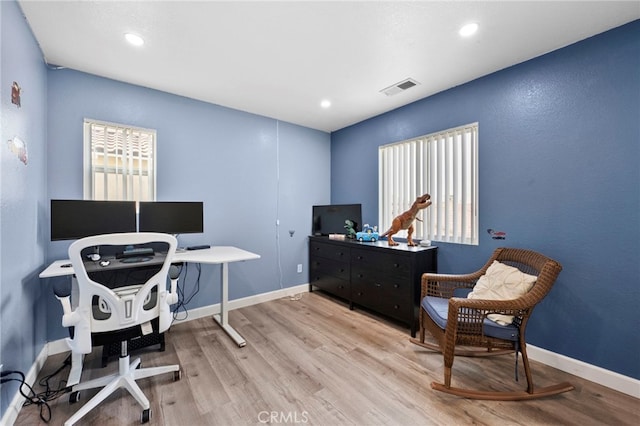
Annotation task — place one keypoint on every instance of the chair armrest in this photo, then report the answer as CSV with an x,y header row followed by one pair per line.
x,y
443,285
70,317
76,318
174,274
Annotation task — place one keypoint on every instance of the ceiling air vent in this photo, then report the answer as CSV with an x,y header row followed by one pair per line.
x,y
399,87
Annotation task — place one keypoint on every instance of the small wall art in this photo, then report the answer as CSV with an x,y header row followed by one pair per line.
x,y
15,94
19,148
497,235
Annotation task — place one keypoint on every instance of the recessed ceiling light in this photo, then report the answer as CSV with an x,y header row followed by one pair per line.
x,y
325,103
468,29
134,39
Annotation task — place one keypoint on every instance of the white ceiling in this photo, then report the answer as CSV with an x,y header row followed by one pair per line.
x,y
280,59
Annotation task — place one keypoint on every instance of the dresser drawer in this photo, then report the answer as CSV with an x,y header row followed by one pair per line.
x,y
334,268
329,251
388,263
378,290
333,285
396,309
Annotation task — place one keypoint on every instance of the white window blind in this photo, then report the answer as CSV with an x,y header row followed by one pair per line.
x,y
444,165
120,162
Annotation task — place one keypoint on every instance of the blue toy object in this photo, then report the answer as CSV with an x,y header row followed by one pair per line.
x,y
368,233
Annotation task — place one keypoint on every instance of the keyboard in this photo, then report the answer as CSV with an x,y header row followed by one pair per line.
x,y
136,259
137,252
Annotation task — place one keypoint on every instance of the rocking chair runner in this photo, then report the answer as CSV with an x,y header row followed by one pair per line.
x,y
455,320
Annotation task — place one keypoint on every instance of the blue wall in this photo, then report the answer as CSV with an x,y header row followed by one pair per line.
x,y
249,170
23,215
559,172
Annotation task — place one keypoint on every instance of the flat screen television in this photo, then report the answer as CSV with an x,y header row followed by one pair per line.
x,y
330,219
74,219
171,217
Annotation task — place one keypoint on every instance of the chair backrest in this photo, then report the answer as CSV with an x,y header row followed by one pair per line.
x,y
529,262
116,291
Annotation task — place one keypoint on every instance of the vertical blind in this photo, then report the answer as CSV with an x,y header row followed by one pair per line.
x,y
119,162
442,164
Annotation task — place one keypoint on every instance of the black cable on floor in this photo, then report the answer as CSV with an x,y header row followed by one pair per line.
x,y
43,398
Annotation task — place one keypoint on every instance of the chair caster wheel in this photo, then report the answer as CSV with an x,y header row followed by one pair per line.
x,y
146,415
177,375
74,397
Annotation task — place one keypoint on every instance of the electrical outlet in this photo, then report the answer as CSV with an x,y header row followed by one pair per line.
x,y
299,267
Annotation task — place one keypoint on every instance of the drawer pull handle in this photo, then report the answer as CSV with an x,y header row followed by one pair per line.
x,y
396,265
396,306
378,285
396,286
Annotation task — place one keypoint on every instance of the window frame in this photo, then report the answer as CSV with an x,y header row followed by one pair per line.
x,y
443,164
128,173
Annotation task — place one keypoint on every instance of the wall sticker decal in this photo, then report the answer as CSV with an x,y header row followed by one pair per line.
x,y
19,148
15,94
497,235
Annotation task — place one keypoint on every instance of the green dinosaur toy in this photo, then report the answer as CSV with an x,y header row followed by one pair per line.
x,y
350,227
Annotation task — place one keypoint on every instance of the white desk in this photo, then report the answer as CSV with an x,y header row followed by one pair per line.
x,y
222,255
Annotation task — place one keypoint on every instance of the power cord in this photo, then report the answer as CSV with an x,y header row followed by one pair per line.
x,y
183,299
43,398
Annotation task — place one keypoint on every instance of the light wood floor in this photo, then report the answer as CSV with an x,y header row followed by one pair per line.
x,y
313,361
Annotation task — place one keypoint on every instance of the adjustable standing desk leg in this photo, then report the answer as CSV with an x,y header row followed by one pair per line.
x,y
223,317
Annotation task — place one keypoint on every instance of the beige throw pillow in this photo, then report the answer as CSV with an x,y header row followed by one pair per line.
x,y
502,282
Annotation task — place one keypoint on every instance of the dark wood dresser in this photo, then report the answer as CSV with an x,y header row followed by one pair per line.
x,y
384,279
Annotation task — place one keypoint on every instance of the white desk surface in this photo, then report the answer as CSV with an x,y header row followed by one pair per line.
x,y
212,255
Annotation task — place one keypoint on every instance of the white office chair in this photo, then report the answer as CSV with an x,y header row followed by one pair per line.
x,y
126,295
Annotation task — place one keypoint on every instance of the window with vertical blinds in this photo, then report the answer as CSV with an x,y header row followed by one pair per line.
x,y
119,162
444,165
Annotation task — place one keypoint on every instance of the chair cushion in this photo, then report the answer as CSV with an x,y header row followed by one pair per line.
x,y
502,282
437,308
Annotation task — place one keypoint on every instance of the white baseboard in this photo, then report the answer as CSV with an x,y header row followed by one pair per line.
x,y
590,372
578,368
207,311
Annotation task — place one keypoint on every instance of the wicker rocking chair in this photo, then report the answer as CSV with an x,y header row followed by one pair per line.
x,y
460,325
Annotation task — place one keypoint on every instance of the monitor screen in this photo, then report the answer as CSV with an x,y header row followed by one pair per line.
x,y
73,219
171,217
331,219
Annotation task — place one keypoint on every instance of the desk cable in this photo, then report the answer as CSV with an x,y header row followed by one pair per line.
x,y
43,398
183,299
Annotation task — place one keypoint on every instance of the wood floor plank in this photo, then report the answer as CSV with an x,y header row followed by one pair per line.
x,y
314,361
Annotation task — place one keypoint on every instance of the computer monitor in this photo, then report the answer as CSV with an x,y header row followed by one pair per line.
x,y
171,217
74,219
330,219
